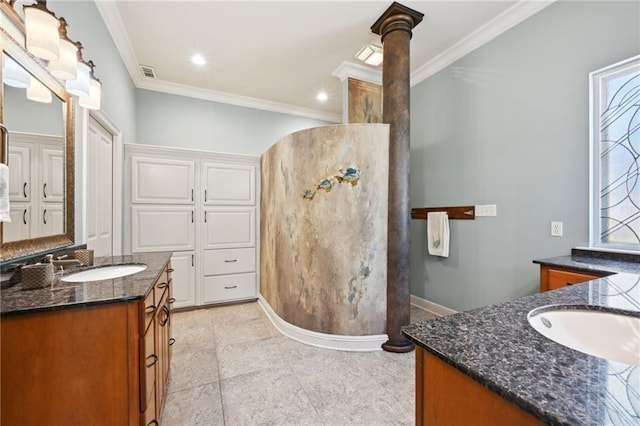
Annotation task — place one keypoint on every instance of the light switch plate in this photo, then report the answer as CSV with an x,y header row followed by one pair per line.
x,y
486,210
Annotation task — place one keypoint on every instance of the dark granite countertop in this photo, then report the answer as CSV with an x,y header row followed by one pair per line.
x,y
64,295
496,346
594,262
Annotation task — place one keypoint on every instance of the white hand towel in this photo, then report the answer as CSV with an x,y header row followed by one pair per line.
x,y
5,211
438,233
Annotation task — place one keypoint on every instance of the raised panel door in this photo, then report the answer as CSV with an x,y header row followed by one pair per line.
x,y
183,279
229,227
162,228
20,227
52,173
20,173
51,220
162,180
229,184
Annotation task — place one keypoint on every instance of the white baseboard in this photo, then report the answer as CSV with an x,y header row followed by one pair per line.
x,y
328,341
431,307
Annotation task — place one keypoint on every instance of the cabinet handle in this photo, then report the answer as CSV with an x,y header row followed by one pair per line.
x,y
172,341
231,261
191,216
192,195
170,270
192,261
151,309
154,359
172,300
164,321
24,216
230,287
24,190
163,285
205,195
153,422
44,216
44,190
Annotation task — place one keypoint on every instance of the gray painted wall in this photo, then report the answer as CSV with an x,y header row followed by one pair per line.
x,y
508,124
179,121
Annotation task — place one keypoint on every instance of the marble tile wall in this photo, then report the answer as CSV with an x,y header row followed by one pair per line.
x,y
324,228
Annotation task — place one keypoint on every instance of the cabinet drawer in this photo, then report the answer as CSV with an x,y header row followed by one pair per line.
x,y
558,278
229,261
229,287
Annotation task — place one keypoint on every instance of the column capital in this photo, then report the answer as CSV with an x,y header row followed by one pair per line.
x,y
396,17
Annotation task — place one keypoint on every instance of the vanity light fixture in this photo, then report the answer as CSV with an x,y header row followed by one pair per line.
x,y
66,66
14,75
38,92
80,86
41,28
95,92
370,54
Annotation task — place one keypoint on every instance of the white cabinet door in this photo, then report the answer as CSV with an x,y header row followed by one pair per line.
x,y
20,173
229,227
19,227
52,173
229,184
183,279
162,180
51,219
162,228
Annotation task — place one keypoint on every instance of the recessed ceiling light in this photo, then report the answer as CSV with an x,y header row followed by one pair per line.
x,y
370,54
198,60
322,96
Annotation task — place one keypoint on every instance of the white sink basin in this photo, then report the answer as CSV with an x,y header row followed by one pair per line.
x,y
104,273
602,334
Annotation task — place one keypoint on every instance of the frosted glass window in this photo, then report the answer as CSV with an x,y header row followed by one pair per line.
x,y
615,144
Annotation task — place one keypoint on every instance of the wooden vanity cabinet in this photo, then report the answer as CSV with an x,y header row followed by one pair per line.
x,y
552,278
447,397
104,364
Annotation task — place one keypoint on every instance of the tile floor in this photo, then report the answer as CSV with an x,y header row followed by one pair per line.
x,y
231,366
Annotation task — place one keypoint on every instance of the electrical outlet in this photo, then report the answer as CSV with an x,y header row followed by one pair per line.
x,y
486,210
556,229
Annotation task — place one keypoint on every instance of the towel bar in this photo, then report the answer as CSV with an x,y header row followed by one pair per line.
x,y
458,212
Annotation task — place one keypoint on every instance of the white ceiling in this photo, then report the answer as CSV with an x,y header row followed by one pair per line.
x,y
278,55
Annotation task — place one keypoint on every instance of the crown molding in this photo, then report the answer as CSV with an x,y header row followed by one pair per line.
x,y
232,99
350,69
112,20
496,26
111,17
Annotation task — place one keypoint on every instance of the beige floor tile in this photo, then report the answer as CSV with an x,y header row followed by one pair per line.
x,y
191,369
200,405
272,396
236,313
255,355
227,333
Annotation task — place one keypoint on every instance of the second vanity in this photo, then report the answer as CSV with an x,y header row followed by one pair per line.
x,y
94,352
489,366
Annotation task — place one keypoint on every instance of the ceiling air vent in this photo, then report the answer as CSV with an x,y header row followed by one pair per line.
x,y
148,71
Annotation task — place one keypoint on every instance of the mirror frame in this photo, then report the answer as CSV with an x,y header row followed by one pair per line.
x,y
38,69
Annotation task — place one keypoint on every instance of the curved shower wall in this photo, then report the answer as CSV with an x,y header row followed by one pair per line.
x,y
323,257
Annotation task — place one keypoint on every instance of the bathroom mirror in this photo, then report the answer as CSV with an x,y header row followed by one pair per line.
x,y
41,148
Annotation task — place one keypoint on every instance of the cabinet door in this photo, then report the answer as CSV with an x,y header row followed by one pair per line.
x,y
162,180
19,227
20,173
52,173
51,219
183,279
227,184
162,228
229,227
